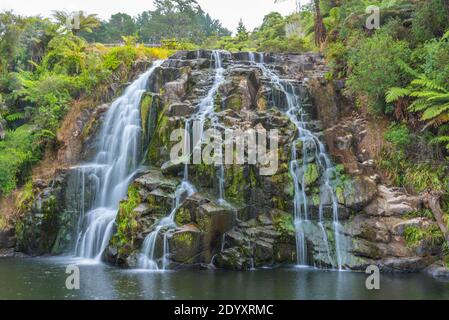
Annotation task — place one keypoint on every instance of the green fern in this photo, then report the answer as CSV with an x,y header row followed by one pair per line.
x,y
431,99
394,94
15,116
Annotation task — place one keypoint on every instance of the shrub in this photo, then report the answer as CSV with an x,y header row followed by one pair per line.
x,y
376,67
398,135
429,20
18,152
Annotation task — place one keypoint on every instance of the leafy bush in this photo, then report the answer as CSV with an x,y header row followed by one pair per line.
x,y
414,235
429,20
376,67
118,55
398,135
18,152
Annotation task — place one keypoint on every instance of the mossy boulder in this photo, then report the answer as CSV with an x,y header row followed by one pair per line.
x,y
185,245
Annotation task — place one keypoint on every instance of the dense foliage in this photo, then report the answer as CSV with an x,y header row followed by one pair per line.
x,y
43,69
180,19
398,71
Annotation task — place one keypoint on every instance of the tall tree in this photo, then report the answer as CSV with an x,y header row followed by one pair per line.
x,y
320,29
242,33
121,24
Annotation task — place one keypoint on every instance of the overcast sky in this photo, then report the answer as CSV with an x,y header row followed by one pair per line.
x,y
228,12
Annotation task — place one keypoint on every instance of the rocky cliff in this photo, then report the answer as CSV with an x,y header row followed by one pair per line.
x,y
255,227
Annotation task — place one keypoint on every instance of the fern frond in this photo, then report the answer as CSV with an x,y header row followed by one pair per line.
x,y
15,116
406,68
439,97
434,111
429,84
394,94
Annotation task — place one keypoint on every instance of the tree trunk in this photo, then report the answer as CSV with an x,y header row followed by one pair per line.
x,y
432,201
320,29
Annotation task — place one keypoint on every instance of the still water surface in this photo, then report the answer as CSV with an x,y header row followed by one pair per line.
x,y
44,278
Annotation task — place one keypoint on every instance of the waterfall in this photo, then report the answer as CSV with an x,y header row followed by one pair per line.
x,y
118,156
311,146
147,258
207,111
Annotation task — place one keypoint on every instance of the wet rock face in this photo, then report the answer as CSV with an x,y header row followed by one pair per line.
x,y
255,227
50,226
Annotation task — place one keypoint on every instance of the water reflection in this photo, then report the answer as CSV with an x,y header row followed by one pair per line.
x,y
45,279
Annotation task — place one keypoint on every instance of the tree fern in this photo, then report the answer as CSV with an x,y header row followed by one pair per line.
x,y
394,94
431,99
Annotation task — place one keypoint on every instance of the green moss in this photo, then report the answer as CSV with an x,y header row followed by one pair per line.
x,y
299,145
127,225
183,240
160,138
182,217
235,183
283,223
145,106
311,175
204,222
235,102
218,102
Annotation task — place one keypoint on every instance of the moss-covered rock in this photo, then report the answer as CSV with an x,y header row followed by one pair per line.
x,y
311,174
185,245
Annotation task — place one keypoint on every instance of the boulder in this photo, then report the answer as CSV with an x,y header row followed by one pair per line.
x,y
393,202
409,264
233,259
357,193
438,270
185,244
179,109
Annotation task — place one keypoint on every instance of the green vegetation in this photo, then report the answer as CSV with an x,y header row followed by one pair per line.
x,y
41,75
399,72
180,19
126,220
276,34
432,235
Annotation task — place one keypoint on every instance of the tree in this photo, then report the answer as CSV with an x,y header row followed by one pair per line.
x,y
119,25
320,29
76,22
242,33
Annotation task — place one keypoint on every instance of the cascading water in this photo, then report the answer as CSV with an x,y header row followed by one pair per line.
x,y
147,258
310,143
207,111
114,166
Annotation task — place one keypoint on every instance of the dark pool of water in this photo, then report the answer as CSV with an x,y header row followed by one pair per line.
x,y
45,279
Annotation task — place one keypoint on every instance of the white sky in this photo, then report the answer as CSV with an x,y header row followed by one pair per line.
x,y
228,12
